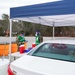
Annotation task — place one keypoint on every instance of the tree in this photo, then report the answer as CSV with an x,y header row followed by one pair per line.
x,y
6,23
1,31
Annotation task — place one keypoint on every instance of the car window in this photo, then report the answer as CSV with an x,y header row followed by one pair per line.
x,y
56,51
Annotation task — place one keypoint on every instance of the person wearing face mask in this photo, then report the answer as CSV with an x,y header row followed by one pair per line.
x,y
38,37
20,40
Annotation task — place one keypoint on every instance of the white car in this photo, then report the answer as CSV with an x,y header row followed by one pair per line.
x,y
53,57
3,66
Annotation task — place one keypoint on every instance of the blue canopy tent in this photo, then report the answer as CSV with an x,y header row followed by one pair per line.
x,y
59,13
33,12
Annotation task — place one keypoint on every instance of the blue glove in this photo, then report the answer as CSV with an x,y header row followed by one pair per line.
x,y
26,40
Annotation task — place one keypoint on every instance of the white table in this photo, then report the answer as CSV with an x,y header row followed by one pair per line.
x,y
17,55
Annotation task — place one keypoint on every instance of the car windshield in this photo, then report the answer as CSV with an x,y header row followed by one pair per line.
x,y
57,51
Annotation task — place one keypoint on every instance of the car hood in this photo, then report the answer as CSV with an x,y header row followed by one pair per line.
x,y
32,65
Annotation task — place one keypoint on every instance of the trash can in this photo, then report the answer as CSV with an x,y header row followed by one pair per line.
x,y
4,49
14,47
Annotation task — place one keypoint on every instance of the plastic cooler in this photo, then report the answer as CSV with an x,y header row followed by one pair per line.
x,y
27,50
21,48
33,45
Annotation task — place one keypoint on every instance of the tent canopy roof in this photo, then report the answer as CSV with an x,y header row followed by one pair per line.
x,y
62,13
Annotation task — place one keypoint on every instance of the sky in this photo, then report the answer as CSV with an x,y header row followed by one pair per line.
x,y
5,5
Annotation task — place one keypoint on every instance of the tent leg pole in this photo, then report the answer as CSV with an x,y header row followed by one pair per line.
x,y
10,40
53,30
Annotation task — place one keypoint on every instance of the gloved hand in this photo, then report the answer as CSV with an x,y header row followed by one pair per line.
x,y
26,40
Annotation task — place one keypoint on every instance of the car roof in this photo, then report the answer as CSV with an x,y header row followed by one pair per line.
x,y
60,41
